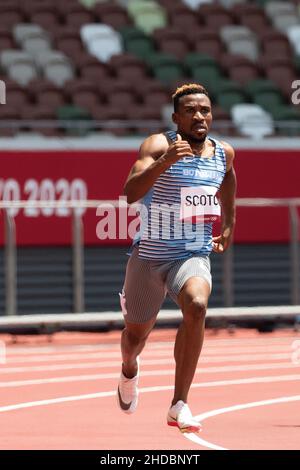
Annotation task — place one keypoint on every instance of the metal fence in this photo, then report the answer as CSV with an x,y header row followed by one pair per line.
x,y
10,249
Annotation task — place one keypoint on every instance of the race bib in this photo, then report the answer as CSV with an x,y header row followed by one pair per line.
x,y
199,204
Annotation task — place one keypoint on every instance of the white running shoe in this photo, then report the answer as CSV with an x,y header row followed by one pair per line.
x,y
127,393
180,415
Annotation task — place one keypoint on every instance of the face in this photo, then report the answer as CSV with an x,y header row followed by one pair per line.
x,y
193,117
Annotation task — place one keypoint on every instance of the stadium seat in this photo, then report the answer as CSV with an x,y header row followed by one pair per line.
x,y
113,85
122,98
239,68
260,85
78,16
171,41
232,3
285,22
240,40
184,18
221,119
112,14
283,115
195,4
275,44
216,19
10,16
16,96
207,75
40,114
51,98
293,33
193,59
252,120
156,98
36,43
86,99
149,21
148,86
90,68
137,7
19,66
128,67
147,15
22,31
246,47
278,8
165,67
6,39
56,67
268,99
101,41
229,93
207,41
69,42
136,42
257,22
74,113
233,32
9,113
151,115
281,74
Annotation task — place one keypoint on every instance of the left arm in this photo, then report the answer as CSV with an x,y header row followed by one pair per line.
x,y
227,198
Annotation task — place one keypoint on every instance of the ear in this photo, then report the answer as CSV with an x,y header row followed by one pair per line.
x,y
175,118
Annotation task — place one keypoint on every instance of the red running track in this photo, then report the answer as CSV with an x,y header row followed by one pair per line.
x,y
61,395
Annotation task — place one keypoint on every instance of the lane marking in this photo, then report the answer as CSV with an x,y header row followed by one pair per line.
x,y
219,383
84,378
204,357
209,346
209,414
95,365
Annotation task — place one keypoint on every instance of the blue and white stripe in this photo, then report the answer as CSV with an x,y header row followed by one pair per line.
x,y
195,239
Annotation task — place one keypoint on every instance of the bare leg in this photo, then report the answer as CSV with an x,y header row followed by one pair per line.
x,y
133,340
193,300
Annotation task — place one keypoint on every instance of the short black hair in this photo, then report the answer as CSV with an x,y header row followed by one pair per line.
x,y
187,89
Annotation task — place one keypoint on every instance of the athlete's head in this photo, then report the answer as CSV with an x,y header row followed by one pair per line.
x,y
192,111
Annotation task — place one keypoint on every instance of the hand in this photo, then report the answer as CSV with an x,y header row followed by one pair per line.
x,y
223,241
178,149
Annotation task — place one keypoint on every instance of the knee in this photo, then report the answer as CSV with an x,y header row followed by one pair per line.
x,y
136,338
195,310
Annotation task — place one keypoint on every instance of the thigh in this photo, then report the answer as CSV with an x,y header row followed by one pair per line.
x,y
143,293
192,274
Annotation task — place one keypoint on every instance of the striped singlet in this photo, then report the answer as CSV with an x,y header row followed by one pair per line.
x,y
165,234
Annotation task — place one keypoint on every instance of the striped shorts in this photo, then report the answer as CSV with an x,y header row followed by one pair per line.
x,y
148,281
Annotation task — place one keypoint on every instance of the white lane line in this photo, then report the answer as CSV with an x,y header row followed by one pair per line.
x,y
208,348
96,365
98,377
203,416
204,358
28,351
214,355
51,401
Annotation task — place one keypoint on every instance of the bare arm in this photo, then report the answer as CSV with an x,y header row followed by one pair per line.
x,y
155,156
227,198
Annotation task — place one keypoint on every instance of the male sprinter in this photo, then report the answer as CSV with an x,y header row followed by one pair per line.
x,y
181,170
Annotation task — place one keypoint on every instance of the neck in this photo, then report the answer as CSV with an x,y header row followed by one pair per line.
x,y
196,145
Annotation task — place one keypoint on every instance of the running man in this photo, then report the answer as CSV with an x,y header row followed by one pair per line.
x,y
183,171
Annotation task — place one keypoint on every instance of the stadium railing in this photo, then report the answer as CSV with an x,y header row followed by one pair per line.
x,y
229,312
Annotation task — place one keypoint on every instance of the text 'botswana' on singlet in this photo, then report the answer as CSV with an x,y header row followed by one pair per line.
x,y
178,212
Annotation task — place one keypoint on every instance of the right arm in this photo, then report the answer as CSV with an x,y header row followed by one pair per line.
x,y
155,157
